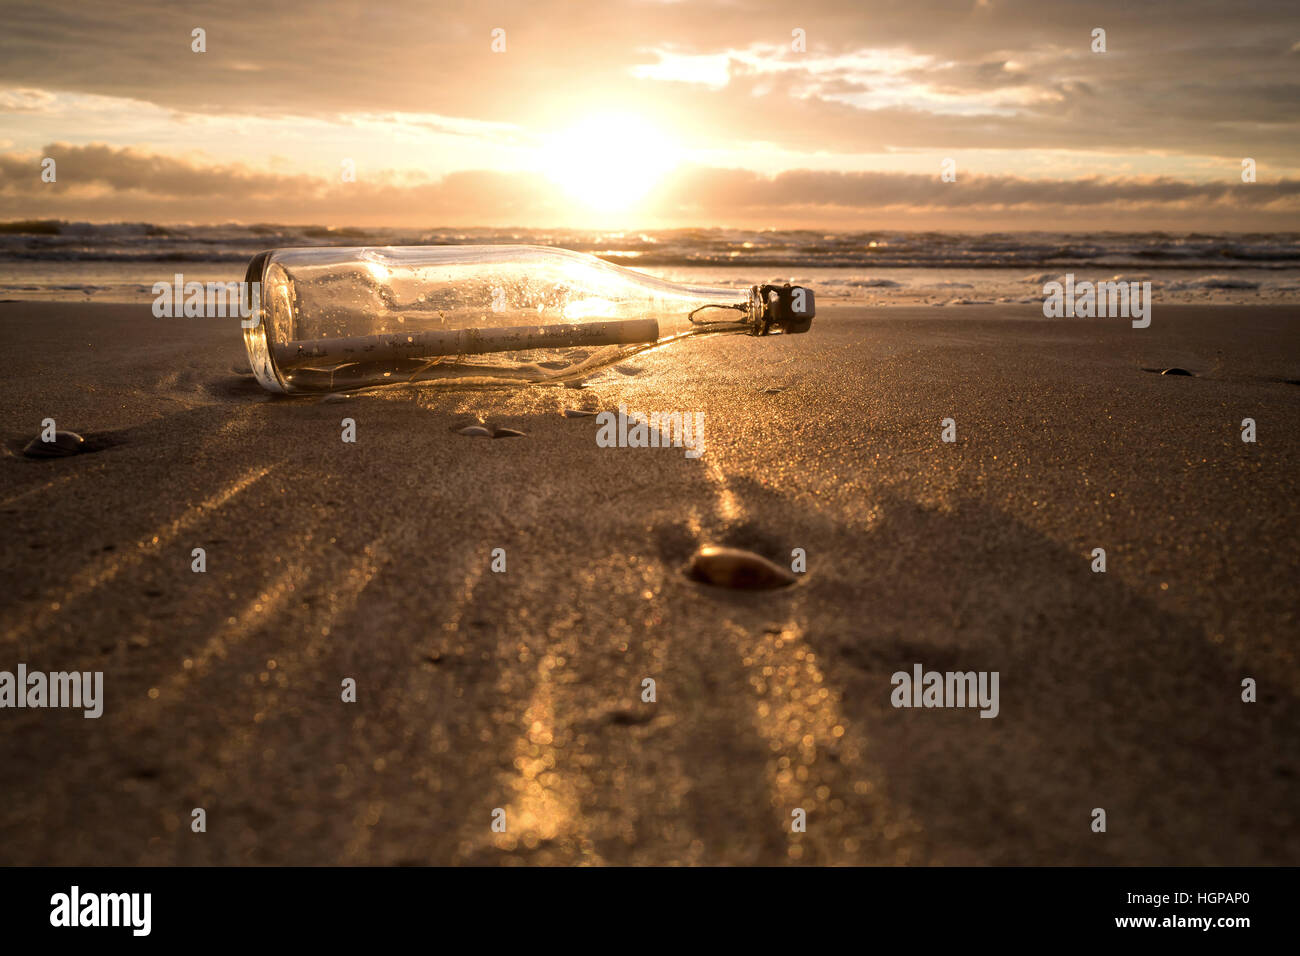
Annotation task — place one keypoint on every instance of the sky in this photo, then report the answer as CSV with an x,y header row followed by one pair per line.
x,y
653,114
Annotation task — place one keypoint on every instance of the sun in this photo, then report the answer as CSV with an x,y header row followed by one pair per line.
x,y
608,161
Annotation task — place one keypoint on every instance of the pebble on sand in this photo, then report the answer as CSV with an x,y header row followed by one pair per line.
x,y
737,569
64,444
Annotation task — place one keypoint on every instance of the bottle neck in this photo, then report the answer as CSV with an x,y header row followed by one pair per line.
x,y
765,310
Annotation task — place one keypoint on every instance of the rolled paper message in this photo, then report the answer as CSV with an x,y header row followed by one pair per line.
x,y
439,343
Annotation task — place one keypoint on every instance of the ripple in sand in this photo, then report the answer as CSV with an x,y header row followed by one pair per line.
x,y
737,569
64,444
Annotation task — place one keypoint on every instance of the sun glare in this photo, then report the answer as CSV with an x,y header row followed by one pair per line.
x,y
608,162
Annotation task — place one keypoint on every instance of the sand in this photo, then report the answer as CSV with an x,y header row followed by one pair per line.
x,y
522,690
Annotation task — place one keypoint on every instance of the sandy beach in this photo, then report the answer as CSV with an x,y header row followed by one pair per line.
x,y
522,690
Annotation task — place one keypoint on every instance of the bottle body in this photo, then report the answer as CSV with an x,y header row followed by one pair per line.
x,y
341,318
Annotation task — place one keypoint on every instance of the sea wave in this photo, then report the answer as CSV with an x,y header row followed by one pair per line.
x,y
1054,253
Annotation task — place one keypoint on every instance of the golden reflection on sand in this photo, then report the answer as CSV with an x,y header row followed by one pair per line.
x,y
816,761
545,808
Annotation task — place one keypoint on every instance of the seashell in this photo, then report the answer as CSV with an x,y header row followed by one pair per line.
x,y
64,444
737,569
579,412
1175,371
474,431
499,432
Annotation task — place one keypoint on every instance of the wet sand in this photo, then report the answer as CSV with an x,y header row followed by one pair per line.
x,y
521,690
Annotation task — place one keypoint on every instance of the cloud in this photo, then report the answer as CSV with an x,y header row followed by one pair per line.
x,y
104,182
101,183
1189,76
821,194
26,101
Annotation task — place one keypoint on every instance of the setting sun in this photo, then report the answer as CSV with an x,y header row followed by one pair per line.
x,y
608,161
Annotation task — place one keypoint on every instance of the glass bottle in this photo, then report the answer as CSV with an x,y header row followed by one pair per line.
x,y
341,318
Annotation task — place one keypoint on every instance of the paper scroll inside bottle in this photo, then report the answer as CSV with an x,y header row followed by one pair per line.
x,y
439,344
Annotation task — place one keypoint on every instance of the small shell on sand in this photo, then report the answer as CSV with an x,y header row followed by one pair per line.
x,y
488,431
737,569
579,412
1175,371
64,444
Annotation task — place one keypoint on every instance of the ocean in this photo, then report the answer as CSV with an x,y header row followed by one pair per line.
x,y
120,262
